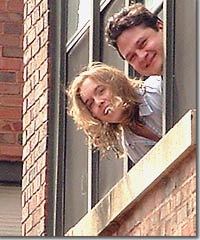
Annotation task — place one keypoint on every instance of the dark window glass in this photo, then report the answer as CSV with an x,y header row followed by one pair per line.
x,y
76,193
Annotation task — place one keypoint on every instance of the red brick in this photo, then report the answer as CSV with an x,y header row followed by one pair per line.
x,y
32,203
30,6
6,16
3,6
35,15
30,130
43,131
25,212
10,113
44,37
182,214
40,26
171,224
39,213
11,101
13,28
187,229
7,76
46,18
135,232
43,176
41,193
27,24
15,6
26,151
16,126
31,36
10,89
35,46
7,138
1,30
26,89
185,192
41,227
40,89
165,210
19,77
14,52
10,63
32,173
26,120
10,40
193,183
10,152
10,125
15,17
29,223
43,69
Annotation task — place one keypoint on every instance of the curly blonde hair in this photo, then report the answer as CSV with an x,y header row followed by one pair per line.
x,y
101,135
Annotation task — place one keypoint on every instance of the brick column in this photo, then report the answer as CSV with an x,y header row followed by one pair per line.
x,y
35,117
11,82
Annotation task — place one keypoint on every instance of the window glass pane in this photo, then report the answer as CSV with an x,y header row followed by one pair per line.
x,y
110,168
78,15
152,4
185,58
108,53
76,192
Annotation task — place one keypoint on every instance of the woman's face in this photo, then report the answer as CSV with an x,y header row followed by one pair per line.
x,y
97,98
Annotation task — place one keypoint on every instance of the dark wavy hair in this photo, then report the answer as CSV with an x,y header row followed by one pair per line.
x,y
128,17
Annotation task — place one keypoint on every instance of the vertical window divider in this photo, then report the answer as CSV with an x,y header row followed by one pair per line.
x,y
94,55
169,64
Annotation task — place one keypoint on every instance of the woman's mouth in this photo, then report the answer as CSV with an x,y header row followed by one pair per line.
x,y
107,110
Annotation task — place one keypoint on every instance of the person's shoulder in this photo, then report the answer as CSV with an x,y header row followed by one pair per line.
x,y
153,80
153,83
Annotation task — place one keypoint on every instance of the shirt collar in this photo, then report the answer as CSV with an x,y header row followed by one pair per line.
x,y
145,109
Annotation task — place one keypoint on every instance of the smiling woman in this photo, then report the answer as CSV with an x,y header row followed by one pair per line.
x,y
107,105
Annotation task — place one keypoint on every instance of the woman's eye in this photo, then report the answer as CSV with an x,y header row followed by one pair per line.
x,y
101,90
89,105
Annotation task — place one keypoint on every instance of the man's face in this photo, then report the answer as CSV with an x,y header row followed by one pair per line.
x,y
143,48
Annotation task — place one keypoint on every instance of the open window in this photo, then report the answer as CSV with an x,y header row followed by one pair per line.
x,y
88,176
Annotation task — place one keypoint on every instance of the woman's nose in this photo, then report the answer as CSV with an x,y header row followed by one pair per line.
x,y
98,101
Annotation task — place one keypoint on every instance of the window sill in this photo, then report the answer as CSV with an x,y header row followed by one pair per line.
x,y
169,151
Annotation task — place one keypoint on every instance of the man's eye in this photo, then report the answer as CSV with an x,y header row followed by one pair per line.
x,y
132,58
142,43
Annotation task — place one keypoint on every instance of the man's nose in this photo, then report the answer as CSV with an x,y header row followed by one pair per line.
x,y
141,54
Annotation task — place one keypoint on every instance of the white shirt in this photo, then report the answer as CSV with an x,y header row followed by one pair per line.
x,y
150,110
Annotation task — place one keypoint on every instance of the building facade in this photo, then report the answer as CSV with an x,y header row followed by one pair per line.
x,y
65,189
11,100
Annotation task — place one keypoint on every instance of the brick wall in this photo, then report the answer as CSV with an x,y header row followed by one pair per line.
x,y
168,209
35,117
11,79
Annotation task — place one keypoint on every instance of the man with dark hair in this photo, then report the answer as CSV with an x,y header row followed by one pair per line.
x,y
137,35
